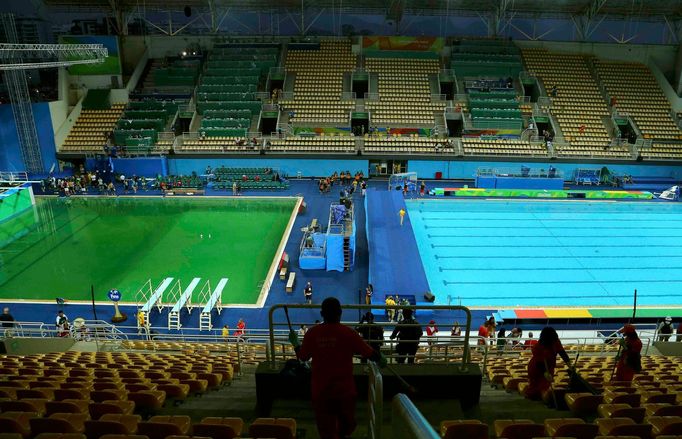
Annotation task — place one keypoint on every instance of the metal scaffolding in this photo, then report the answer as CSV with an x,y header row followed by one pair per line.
x,y
12,56
21,104
15,58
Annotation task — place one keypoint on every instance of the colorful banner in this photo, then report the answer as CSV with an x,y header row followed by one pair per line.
x,y
316,131
110,66
419,44
540,193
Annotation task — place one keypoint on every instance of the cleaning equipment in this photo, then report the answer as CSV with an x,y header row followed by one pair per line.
x,y
620,346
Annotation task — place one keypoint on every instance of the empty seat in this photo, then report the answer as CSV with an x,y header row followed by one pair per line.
x,y
219,428
666,425
28,405
67,406
175,391
622,411
60,436
17,422
147,400
98,409
276,428
570,427
464,429
518,429
623,427
59,423
660,409
112,423
158,427
583,404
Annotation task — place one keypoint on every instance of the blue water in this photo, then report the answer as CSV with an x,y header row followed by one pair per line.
x,y
538,253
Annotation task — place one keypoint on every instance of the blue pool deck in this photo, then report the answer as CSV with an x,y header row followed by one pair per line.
x,y
490,253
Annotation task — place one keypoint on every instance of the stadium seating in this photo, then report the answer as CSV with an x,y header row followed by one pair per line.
x,y
637,93
318,87
404,92
486,58
578,106
91,131
494,146
141,123
320,144
407,145
226,97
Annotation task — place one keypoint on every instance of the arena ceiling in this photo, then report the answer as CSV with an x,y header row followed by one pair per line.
x,y
671,9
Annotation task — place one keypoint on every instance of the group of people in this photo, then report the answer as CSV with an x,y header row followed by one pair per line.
x,y
352,183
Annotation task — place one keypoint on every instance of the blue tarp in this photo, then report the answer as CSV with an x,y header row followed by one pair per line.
x,y
334,252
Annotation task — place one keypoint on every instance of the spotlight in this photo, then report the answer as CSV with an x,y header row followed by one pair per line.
x,y
184,53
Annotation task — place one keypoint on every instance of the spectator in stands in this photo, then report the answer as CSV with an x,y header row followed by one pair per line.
x,y
408,332
665,329
6,318
302,330
555,91
629,359
62,323
530,342
226,331
372,333
456,330
308,293
241,327
543,362
431,331
390,313
484,331
331,346
679,332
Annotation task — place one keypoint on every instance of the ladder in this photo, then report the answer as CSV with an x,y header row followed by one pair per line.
x,y
153,297
185,299
347,256
214,301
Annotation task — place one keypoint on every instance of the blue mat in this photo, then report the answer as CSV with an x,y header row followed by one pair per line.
x,y
395,266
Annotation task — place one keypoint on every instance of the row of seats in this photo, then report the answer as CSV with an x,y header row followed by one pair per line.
x,y
404,91
663,150
89,133
484,146
578,105
635,91
318,86
31,424
410,145
616,427
314,144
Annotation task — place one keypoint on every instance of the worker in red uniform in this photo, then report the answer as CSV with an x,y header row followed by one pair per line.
x,y
543,362
331,346
629,357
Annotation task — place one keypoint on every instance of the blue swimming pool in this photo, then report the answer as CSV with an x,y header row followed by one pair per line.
x,y
538,253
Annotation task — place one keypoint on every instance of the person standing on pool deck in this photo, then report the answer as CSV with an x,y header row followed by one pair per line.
x,y
402,216
422,188
308,293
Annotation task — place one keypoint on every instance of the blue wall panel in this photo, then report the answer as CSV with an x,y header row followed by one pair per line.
x,y
142,166
467,169
10,151
307,167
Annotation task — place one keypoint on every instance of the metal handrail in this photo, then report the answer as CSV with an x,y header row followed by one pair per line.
x,y
407,422
364,308
375,399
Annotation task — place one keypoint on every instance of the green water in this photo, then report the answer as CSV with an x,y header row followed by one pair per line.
x,y
120,243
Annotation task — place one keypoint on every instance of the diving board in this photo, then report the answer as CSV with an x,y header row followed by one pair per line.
x,y
214,300
185,299
148,298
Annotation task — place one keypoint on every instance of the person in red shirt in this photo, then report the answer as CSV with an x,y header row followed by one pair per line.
x,y
241,326
486,330
528,344
543,362
629,358
332,346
